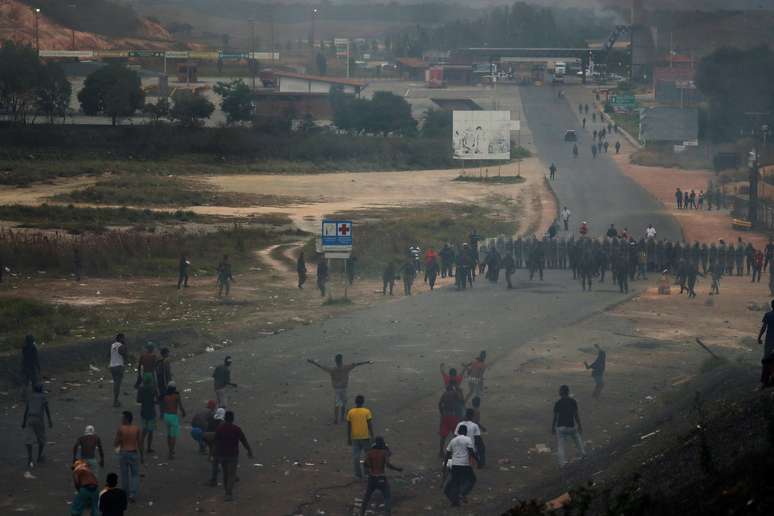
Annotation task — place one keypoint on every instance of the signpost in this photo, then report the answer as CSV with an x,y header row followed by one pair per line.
x,y
336,243
623,102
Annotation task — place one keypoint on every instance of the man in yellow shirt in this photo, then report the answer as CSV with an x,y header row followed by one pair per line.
x,y
359,432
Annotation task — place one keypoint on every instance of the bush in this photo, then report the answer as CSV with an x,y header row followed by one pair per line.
x,y
19,317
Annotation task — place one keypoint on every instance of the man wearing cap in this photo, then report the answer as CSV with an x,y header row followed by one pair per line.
x,y
222,380
376,461
199,425
89,443
212,425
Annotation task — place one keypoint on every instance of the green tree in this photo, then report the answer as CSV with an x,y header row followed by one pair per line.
x,y
736,83
114,91
52,94
238,100
191,110
437,124
20,75
389,113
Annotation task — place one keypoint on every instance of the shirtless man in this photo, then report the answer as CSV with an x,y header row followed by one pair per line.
x,y
475,373
340,381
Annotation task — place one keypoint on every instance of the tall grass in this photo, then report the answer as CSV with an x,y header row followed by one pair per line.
x,y
115,253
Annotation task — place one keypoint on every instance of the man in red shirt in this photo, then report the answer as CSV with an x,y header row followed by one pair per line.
x,y
227,439
377,459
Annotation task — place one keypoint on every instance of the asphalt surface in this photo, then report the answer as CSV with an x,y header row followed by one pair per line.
x,y
592,188
285,404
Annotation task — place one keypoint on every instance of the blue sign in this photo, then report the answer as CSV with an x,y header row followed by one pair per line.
x,y
336,235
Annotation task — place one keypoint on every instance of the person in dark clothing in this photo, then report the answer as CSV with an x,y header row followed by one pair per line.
x,y
350,265
408,272
679,198
30,364
612,232
301,270
225,278
388,278
598,371
567,424
322,276
431,272
552,171
617,147
182,272
509,267
227,439
112,500
767,327
163,372
376,461
769,254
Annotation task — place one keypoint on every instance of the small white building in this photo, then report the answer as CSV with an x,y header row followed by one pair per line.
x,y
290,82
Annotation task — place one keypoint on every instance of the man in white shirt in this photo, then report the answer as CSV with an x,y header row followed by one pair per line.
x,y
650,232
566,218
460,451
117,362
474,433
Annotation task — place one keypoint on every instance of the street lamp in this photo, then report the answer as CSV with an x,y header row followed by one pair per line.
x,y
315,12
35,30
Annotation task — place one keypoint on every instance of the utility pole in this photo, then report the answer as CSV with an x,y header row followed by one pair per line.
x,y
754,164
251,53
72,28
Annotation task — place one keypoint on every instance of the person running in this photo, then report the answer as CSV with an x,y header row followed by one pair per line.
x,y
474,432
34,410
221,377
552,171
448,407
86,487
163,372
479,440
30,365
475,372
182,272
88,444
227,439
566,424
376,461
597,371
359,432
461,454
127,442
301,270
147,397
565,214
112,499
225,278
199,424
171,403
339,380
117,365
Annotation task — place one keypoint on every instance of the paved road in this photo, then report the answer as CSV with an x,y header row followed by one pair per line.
x,y
593,189
284,404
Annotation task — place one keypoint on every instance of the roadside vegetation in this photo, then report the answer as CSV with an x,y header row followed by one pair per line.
x,y
134,253
161,191
47,322
77,219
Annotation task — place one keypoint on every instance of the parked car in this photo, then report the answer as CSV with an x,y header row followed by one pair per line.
x,y
570,136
